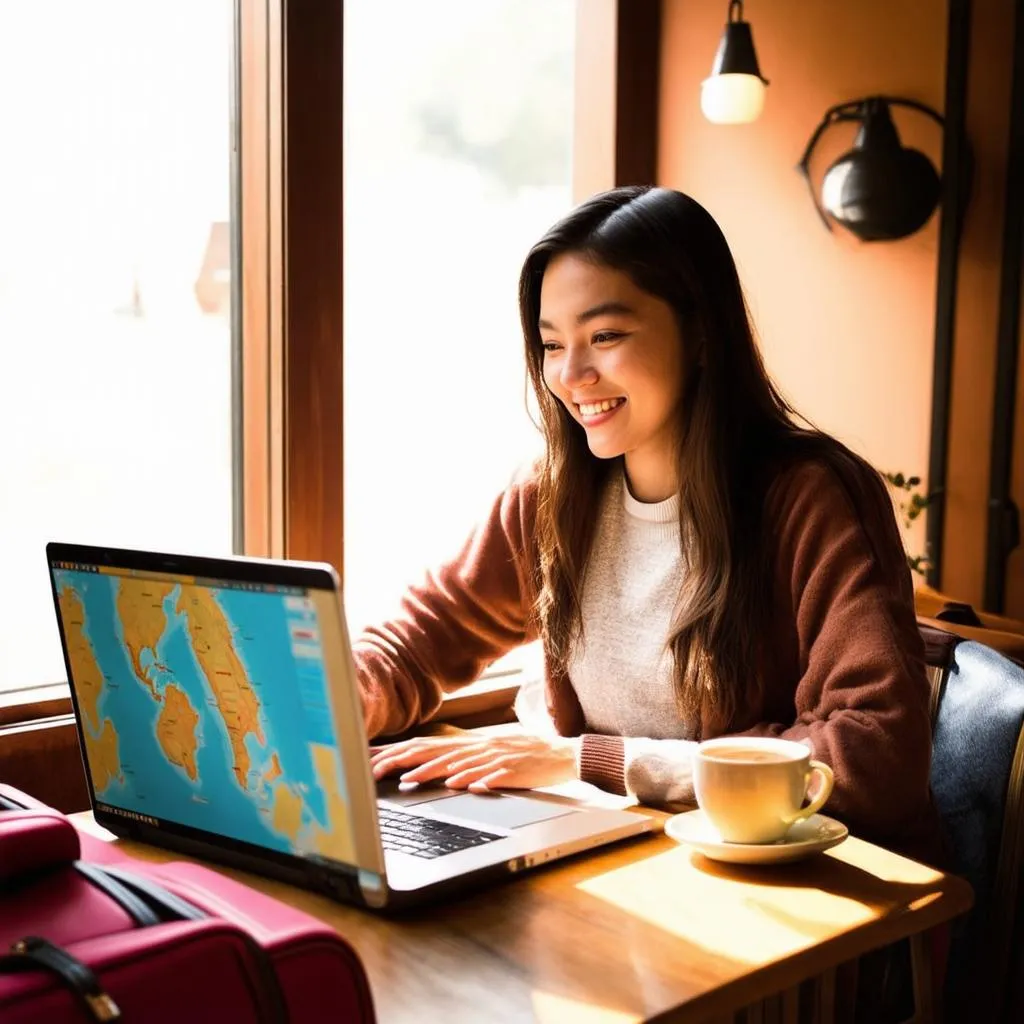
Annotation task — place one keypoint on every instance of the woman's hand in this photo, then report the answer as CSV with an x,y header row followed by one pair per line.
x,y
480,763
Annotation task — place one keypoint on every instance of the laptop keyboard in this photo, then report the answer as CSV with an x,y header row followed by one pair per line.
x,y
426,837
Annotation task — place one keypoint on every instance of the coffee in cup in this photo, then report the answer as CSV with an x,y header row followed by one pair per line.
x,y
752,789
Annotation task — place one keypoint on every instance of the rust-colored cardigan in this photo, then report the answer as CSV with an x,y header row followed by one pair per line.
x,y
844,669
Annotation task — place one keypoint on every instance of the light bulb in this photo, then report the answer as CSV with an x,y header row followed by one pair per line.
x,y
732,98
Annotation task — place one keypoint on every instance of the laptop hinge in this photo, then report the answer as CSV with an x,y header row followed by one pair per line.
x,y
346,882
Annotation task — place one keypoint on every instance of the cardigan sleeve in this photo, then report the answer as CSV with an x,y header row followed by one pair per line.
x,y
462,617
861,696
654,771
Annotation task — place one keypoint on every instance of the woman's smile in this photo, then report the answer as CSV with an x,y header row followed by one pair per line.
x,y
593,414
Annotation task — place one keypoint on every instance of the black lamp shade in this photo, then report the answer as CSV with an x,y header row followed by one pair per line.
x,y
880,190
736,54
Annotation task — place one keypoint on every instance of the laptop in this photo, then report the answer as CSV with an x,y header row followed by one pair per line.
x,y
219,715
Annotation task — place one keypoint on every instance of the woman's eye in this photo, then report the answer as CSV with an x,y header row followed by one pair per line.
x,y
551,346
607,336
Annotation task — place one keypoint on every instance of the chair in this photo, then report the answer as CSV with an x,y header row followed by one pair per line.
x,y
941,611
934,604
977,778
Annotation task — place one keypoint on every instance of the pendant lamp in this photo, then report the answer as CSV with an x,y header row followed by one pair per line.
x,y
734,91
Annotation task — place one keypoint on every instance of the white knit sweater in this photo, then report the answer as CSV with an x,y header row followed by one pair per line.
x,y
622,668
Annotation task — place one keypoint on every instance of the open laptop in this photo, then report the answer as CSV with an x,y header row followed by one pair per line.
x,y
219,715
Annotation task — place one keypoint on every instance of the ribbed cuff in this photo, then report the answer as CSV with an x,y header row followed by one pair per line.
x,y
603,762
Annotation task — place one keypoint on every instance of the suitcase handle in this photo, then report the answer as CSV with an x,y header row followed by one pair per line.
x,y
33,842
144,901
33,951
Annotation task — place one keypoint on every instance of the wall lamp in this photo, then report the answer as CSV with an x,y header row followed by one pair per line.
x,y
880,190
734,91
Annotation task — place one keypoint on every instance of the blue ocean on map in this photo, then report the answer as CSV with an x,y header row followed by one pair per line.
x,y
294,712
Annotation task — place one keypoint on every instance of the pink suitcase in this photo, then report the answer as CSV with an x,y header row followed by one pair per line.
x,y
134,942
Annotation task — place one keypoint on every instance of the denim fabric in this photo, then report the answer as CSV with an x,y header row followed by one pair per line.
x,y
980,717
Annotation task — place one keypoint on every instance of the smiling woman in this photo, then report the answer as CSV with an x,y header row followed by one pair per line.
x,y
614,363
694,561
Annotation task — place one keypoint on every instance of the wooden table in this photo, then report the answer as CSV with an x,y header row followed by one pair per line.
x,y
647,930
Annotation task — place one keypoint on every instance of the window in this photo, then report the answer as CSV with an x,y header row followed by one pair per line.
x,y
458,156
115,281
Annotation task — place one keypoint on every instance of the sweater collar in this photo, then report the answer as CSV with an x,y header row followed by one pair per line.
x,y
652,512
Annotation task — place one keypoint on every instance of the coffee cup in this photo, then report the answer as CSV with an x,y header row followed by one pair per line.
x,y
752,789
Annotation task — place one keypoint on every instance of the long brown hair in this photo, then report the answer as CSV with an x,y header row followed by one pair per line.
x,y
735,429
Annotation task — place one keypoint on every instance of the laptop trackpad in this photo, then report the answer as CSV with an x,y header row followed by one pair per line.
x,y
503,811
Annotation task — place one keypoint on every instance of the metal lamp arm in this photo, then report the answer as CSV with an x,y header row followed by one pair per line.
x,y
840,112
898,101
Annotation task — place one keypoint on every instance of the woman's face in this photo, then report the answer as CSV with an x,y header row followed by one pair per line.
x,y
613,356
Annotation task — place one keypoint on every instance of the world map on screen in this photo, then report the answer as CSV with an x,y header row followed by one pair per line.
x,y
205,704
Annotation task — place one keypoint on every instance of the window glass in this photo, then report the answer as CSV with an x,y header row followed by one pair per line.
x,y
458,141
115,313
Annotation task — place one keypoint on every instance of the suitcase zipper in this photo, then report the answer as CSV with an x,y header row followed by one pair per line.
x,y
76,975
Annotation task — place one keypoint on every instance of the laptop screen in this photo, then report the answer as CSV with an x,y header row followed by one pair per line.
x,y
205,702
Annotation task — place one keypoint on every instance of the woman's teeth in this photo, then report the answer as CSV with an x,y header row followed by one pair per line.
x,y
598,407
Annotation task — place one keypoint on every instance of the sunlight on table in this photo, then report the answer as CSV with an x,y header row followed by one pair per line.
x,y
551,1009
884,865
747,924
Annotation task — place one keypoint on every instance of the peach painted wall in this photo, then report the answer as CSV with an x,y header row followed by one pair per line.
x,y
847,328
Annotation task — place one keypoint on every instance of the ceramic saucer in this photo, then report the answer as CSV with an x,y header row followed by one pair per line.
x,y
815,834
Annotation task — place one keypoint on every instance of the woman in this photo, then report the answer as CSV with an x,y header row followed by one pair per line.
x,y
694,561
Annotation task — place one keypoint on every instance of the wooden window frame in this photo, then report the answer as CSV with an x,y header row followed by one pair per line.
x,y
615,124
291,297
289,300
294,495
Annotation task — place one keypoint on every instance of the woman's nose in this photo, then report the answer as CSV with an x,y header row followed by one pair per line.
x,y
577,369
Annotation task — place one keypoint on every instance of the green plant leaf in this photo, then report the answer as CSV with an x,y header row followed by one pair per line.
x,y
918,564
